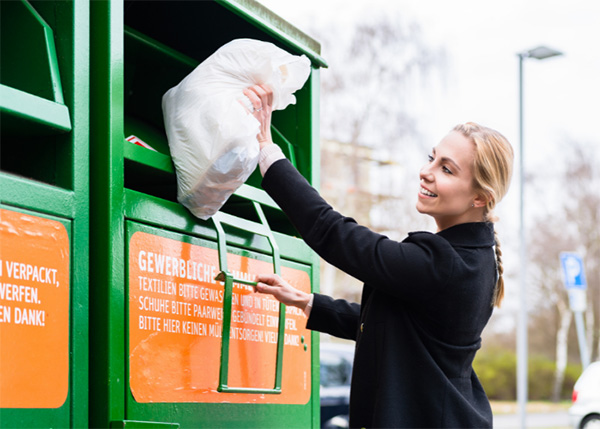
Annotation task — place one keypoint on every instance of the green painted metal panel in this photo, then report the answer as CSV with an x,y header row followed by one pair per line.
x,y
107,351
138,51
44,162
157,212
26,113
25,193
54,141
133,424
31,93
29,60
218,414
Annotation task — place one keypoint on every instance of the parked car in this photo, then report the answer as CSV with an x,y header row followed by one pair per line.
x,y
336,372
585,411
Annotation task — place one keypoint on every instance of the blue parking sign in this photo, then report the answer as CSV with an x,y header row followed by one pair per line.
x,y
573,272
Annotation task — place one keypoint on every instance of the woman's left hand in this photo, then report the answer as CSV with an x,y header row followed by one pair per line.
x,y
261,97
285,293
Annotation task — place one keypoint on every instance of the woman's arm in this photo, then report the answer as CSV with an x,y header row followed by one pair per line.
x,y
413,269
336,317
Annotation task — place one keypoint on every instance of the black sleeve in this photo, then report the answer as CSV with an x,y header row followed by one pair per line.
x,y
413,269
336,317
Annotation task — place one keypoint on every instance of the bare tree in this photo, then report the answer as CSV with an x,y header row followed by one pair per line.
x,y
583,212
375,68
571,227
550,295
368,128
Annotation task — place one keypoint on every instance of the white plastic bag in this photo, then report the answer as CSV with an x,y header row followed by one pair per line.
x,y
212,137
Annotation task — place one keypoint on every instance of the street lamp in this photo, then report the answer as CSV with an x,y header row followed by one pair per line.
x,y
539,53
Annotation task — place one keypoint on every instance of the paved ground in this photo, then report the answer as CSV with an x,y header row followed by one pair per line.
x,y
548,420
542,415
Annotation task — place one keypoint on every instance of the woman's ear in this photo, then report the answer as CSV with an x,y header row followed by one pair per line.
x,y
480,200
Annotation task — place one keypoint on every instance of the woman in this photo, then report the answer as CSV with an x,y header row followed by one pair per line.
x,y
425,300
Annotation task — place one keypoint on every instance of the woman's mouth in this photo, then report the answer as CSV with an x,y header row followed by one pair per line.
x,y
427,192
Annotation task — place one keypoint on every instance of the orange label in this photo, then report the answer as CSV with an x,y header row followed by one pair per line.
x,y
34,311
175,327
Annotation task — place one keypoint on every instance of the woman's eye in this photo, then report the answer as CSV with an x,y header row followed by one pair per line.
x,y
430,158
446,170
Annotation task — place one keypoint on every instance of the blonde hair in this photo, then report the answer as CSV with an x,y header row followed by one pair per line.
x,y
492,171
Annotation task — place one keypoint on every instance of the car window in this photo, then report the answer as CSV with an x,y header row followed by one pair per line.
x,y
335,370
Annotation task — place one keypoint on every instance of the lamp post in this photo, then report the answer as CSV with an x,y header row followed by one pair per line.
x,y
539,53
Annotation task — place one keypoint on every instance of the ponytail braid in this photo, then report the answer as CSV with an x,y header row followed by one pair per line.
x,y
499,289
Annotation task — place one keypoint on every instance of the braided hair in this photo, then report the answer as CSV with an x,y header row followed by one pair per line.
x,y
492,171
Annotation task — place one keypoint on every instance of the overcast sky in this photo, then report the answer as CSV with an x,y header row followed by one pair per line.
x,y
482,38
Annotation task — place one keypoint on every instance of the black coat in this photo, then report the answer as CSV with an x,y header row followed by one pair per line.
x,y
424,304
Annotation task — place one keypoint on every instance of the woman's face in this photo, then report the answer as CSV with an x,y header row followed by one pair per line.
x,y
446,191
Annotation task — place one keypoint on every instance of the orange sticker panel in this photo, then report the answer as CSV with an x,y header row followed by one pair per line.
x,y
34,311
176,319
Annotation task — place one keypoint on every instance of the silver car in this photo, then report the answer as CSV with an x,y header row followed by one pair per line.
x,y
585,411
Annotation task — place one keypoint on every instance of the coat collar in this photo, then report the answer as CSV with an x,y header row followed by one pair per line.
x,y
473,234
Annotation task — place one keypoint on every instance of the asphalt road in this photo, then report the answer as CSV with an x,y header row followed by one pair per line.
x,y
554,420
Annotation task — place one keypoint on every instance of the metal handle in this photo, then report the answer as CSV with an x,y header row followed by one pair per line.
x,y
225,276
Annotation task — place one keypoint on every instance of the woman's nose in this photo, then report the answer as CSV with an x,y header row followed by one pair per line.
x,y
425,173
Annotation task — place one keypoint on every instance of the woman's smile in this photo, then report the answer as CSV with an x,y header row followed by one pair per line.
x,y
426,192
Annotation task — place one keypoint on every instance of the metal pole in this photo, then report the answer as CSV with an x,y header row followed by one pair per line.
x,y
522,368
585,356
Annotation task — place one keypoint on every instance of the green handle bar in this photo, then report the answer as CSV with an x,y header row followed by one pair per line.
x,y
224,275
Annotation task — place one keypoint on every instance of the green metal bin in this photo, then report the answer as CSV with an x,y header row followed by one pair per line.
x,y
178,337
44,213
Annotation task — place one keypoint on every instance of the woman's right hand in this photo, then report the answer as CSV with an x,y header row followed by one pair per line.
x,y
261,97
281,290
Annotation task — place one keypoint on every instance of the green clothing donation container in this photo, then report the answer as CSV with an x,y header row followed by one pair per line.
x,y
178,337
44,213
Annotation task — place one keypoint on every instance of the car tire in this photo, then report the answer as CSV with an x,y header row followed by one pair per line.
x,y
591,422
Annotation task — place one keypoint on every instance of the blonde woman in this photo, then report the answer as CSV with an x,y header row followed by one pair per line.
x,y
425,300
